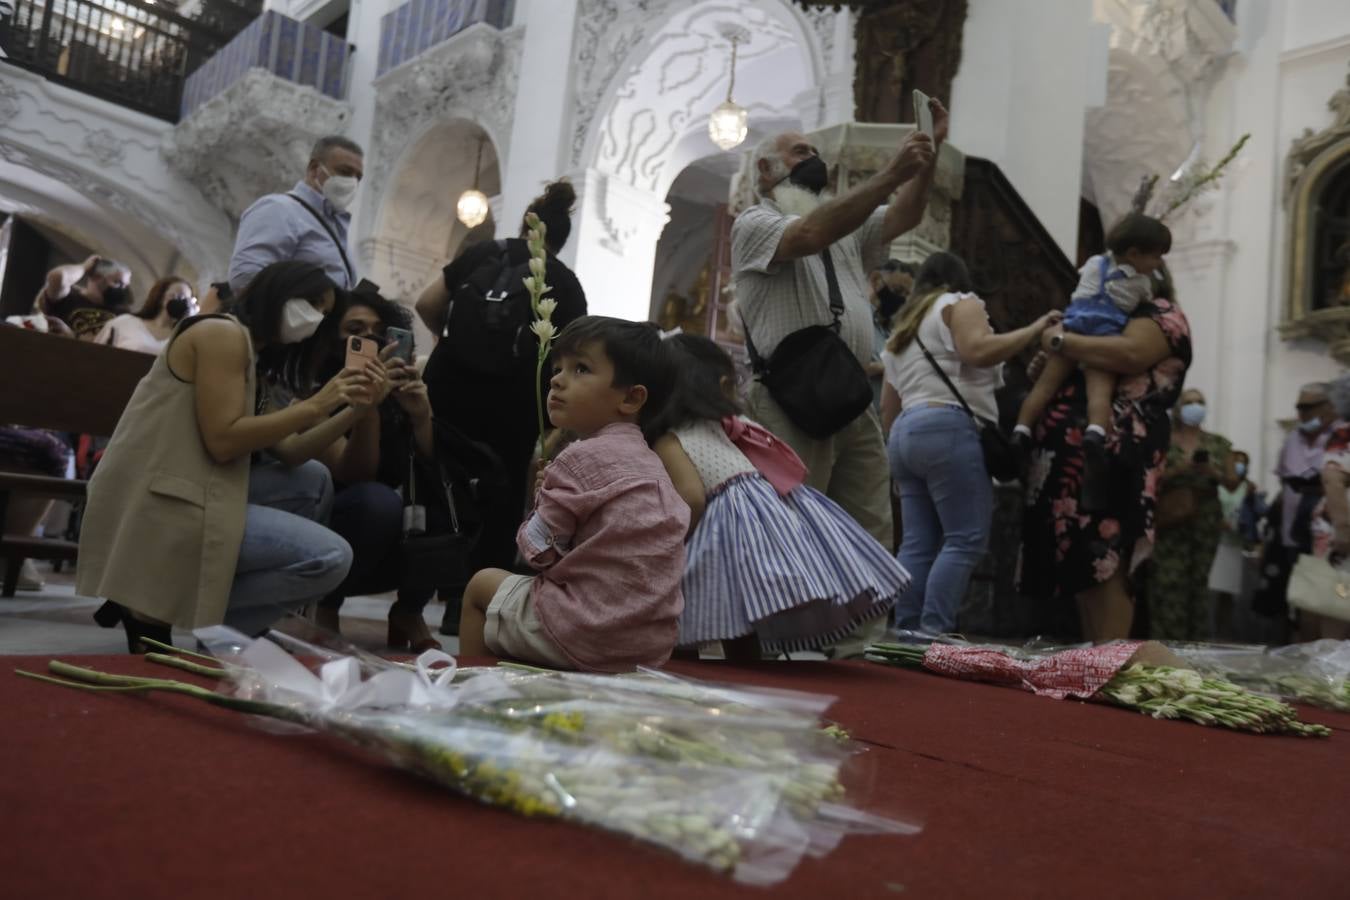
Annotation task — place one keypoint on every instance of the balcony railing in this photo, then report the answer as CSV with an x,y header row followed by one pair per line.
x,y
129,52
292,50
421,24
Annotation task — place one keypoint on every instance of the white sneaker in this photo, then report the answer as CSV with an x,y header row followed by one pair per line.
x,y
29,580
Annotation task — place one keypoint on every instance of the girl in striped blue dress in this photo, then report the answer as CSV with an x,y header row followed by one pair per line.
x,y
772,565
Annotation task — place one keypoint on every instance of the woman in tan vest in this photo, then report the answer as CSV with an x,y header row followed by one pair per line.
x,y
179,529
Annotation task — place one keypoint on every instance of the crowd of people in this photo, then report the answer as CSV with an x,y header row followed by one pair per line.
x,y
269,464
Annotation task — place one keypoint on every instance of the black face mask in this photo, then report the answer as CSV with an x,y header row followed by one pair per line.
x,y
177,308
889,301
811,174
114,297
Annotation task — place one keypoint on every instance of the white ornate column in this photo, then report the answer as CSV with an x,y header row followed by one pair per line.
x,y
1199,272
540,129
363,32
613,244
831,101
858,150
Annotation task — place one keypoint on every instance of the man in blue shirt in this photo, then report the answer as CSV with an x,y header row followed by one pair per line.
x,y
307,223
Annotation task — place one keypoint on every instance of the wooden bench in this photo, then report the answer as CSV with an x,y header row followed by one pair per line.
x,y
63,385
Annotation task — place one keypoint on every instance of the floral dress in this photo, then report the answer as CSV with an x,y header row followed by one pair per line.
x,y
1178,587
1066,551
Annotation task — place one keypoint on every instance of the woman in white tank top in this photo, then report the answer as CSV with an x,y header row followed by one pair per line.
x,y
946,499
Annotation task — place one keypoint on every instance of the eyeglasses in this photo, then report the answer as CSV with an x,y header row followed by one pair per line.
x,y
1308,407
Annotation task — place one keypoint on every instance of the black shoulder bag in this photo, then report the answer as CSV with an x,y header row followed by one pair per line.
x,y
812,374
347,263
430,562
1000,459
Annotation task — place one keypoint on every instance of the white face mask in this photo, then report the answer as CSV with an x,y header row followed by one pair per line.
x,y
299,320
340,189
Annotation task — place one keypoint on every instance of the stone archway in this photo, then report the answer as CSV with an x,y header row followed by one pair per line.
x,y
647,78
416,230
84,169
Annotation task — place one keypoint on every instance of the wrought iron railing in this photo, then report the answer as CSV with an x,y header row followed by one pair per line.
x,y
130,52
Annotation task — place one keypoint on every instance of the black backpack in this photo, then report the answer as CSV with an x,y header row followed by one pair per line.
x,y
489,324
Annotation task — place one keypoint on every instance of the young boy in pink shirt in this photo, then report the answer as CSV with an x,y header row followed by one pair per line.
x,y
607,531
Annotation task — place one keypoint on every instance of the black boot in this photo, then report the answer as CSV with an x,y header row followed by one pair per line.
x,y
1021,444
450,621
111,614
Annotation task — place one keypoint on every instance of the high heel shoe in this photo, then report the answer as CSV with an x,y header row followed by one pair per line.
x,y
111,614
408,631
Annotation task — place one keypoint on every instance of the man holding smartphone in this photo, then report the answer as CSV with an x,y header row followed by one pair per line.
x,y
800,258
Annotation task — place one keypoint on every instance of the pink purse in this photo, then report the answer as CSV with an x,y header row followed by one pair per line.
x,y
774,459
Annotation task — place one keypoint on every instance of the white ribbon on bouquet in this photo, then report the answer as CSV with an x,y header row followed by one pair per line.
x,y
338,684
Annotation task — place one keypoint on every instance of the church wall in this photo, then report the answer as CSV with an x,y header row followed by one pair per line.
x,y
1293,57
1028,74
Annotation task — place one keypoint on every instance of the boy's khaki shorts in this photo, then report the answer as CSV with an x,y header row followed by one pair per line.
x,y
512,628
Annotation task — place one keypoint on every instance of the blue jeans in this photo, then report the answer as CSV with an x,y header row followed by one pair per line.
x,y
946,508
287,559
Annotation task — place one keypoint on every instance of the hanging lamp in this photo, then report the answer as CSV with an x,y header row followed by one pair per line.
x,y
727,124
472,208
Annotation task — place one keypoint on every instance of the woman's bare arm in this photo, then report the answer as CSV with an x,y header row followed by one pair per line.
x,y
213,355
1140,347
977,344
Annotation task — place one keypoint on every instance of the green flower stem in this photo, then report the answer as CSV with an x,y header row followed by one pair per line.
x,y
186,665
179,651
93,680
908,655
539,399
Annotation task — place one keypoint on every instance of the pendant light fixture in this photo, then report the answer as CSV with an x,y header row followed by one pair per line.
x,y
472,208
727,124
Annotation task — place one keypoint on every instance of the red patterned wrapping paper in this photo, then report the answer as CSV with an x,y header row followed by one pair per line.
x,y
1069,673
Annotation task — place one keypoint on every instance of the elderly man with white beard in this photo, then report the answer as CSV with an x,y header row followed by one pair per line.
x,y
796,256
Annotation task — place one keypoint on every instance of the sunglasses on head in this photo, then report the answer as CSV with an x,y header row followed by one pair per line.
x,y
1304,407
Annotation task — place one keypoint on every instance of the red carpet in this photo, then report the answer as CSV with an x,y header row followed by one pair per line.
x,y
116,796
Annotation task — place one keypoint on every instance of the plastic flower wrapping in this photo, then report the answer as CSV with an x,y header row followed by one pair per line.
x,y
743,780
1165,682
1317,673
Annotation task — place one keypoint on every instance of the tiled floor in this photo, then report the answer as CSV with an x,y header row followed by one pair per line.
x,y
54,620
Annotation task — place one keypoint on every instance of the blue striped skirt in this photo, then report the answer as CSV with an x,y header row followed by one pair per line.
x,y
796,571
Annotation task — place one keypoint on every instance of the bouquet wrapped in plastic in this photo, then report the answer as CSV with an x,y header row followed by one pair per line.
x,y
742,780
1140,675
1317,672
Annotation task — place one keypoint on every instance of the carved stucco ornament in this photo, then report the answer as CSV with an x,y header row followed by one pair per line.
x,y
252,139
472,75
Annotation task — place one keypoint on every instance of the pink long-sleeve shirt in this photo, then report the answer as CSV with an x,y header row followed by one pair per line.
x,y
607,534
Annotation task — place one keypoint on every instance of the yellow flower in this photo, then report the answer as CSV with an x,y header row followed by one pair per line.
x,y
537,267
529,283
546,308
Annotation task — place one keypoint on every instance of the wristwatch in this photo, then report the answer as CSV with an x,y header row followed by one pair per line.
x,y
1056,342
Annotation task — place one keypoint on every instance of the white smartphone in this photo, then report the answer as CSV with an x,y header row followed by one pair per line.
x,y
923,116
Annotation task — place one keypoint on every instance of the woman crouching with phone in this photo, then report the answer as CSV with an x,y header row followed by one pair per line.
x,y
373,461
180,528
